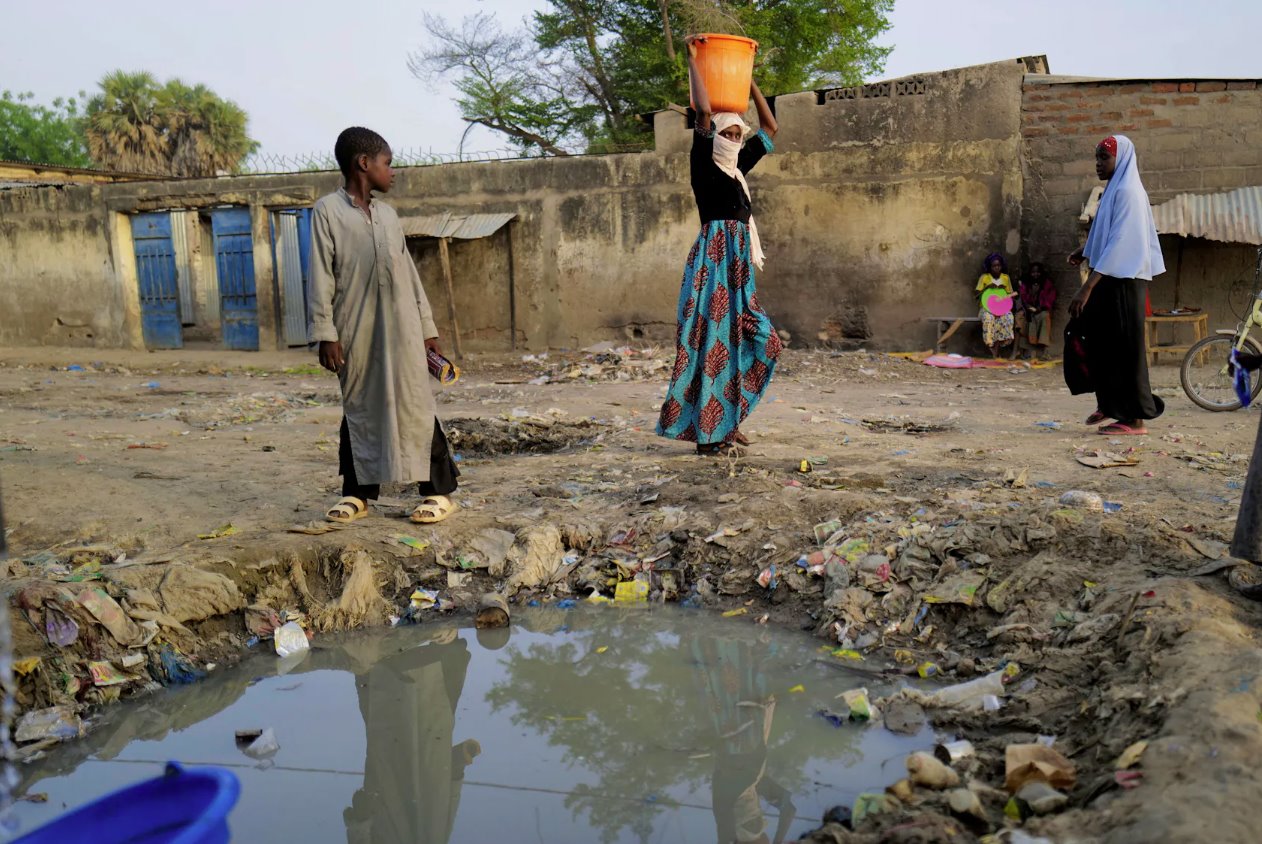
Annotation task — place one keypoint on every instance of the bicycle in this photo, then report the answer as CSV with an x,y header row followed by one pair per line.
x,y
1206,373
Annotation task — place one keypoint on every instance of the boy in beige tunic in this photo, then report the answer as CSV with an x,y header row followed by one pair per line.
x,y
370,316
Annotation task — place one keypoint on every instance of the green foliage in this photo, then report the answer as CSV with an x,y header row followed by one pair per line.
x,y
136,125
47,134
582,71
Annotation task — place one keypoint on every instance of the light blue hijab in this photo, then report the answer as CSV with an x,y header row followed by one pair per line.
x,y
1123,241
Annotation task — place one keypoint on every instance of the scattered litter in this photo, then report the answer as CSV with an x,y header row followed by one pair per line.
x,y
735,612
951,752
178,668
219,532
1050,426
258,744
631,592
315,528
1106,460
860,707
960,589
105,674
111,616
291,639
492,612
969,693
1037,798
1082,500
57,722
1131,755
1025,763
924,769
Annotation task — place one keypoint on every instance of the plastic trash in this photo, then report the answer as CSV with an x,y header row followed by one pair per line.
x,y
492,612
950,752
263,747
1041,798
290,639
860,707
59,722
924,769
179,670
631,592
567,604
1082,500
970,693
1026,763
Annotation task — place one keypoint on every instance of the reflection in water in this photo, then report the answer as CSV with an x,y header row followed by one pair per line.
x,y
742,707
413,773
610,726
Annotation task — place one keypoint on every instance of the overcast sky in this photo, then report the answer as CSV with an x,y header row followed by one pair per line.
x,y
304,70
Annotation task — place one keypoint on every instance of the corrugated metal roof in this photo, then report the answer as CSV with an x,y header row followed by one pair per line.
x,y
1231,217
463,226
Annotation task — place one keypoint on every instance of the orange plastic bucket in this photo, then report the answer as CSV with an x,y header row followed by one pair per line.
x,y
726,64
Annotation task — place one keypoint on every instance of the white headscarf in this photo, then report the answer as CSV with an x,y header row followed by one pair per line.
x,y
1123,240
726,154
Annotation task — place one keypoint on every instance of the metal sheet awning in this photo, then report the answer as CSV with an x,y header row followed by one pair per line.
x,y
1231,217
462,226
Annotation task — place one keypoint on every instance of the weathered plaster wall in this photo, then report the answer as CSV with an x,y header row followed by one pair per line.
x,y
57,276
1190,137
875,211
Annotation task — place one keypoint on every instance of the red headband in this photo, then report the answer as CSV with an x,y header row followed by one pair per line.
x,y
1110,145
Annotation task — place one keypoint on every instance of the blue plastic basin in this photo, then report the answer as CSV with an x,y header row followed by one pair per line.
x,y
181,807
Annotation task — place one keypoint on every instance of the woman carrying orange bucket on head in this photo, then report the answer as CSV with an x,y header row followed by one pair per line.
x,y
726,348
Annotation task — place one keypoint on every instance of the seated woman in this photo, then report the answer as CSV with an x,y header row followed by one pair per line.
x,y
1038,300
997,329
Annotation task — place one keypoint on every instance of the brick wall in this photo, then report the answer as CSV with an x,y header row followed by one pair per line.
x,y
1190,137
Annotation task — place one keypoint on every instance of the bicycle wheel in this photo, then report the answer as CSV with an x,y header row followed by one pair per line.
x,y
1206,373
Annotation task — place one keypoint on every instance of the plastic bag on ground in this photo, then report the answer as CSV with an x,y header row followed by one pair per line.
x,y
290,639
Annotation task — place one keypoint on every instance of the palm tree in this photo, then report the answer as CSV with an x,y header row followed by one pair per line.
x,y
123,129
206,135
172,130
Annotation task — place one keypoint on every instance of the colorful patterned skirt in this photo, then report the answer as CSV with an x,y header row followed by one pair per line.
x,y
726,348
996,330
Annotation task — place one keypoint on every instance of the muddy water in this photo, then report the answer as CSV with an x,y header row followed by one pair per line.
x,y
585,725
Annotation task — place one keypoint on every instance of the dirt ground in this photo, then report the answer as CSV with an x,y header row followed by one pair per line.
x,y
112,469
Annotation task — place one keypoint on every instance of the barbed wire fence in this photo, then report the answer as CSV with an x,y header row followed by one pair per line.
x,y
262,163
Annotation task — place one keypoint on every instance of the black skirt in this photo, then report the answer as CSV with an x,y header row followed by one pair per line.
x,y
1113,322
1246,544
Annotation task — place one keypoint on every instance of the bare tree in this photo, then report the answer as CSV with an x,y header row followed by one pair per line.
x,y
504,83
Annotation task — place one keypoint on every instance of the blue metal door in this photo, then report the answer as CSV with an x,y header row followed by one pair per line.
x,y
291,247
234,259
156,274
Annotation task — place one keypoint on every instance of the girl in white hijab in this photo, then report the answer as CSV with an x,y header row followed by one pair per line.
x,y
1124,254
726,347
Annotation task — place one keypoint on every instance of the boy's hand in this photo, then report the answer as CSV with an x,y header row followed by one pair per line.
x,y
432,345
331,357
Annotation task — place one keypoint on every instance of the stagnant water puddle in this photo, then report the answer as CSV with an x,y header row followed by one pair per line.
x,y
585,725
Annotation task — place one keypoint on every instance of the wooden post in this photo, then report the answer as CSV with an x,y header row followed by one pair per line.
x,y
512,289
445,260
1178,275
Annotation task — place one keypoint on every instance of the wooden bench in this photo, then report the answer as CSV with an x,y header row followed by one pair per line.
x,y
947,326
1198,322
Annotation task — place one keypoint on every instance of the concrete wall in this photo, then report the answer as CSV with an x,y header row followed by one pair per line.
x,y
1190,137
874,211
57,275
